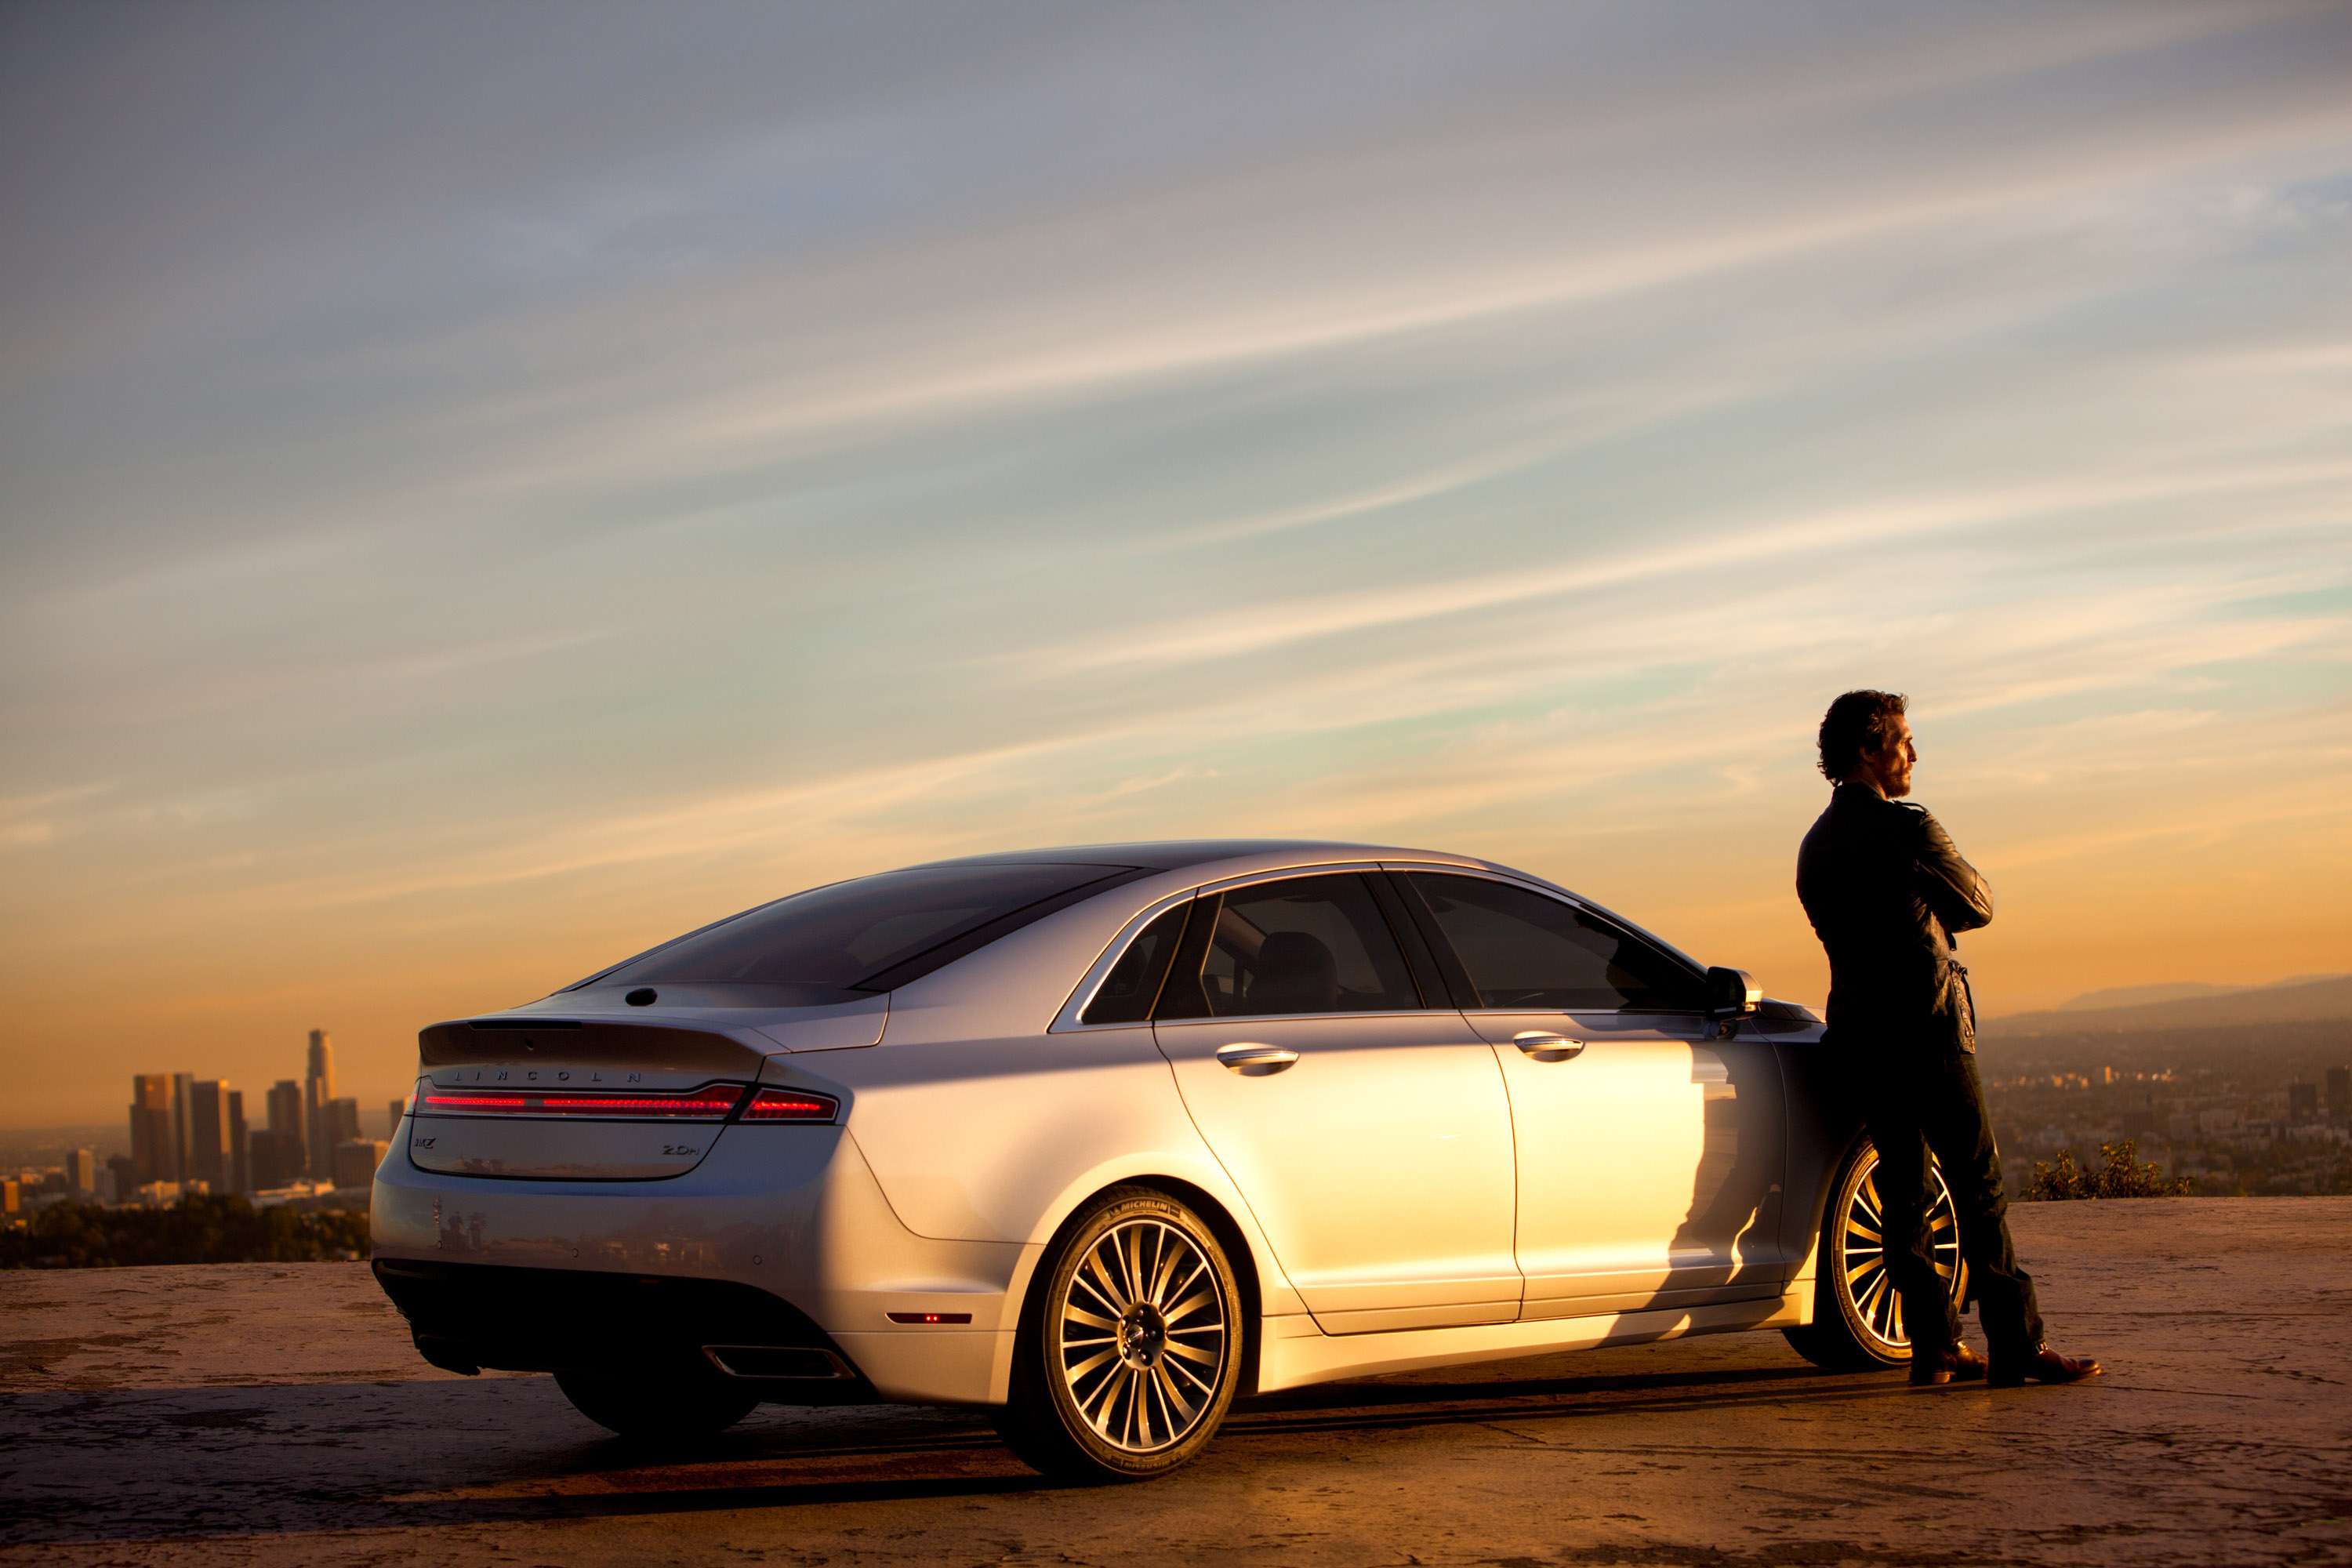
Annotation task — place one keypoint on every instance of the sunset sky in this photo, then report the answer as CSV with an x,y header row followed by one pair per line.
x,y
484,489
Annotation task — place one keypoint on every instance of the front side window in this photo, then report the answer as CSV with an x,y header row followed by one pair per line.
x,y
1305,944
854,932
1524,950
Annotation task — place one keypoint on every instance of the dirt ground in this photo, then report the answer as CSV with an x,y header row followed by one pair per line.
x,y
277,1415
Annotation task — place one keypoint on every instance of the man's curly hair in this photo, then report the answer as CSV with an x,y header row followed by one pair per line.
x,y
1857,723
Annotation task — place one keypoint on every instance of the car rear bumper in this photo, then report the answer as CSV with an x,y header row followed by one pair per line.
x,y
791,1215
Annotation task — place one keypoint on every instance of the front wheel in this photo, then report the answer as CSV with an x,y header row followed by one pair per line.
x,y
1129,1346
666,1411
1857,1317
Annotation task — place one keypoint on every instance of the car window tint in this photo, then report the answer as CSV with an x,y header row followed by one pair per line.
x,y
1523,948
1128,991
840,935
1305,944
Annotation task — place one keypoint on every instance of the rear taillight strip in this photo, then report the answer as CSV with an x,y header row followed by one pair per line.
x,y
711,1103
790,1105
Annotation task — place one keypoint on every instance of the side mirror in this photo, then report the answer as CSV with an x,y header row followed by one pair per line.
x,y
1732,991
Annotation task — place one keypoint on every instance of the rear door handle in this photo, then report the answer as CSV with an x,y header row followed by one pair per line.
x,y
1546,1046
1251,1057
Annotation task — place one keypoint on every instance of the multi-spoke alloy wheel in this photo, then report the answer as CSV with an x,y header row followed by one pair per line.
x,y
1129,1352
1858,1318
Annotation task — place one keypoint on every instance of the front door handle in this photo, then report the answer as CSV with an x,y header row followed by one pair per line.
x,y
1547,1045
1254,1059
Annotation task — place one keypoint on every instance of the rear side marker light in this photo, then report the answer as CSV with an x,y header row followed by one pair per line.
x,y
708,1104
790,1105
930,1317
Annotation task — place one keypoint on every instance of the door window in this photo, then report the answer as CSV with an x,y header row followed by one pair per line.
x,y
1305,944
1524,950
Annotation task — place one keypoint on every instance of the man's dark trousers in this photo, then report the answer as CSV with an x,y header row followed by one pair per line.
x,y
1918,1102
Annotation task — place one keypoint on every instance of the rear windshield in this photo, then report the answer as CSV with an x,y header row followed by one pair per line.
x,y
873,930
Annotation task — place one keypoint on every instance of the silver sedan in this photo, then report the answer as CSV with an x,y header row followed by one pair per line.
x,y
1102,1138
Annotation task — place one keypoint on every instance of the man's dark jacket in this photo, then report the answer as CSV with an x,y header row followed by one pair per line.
x,y
1887,892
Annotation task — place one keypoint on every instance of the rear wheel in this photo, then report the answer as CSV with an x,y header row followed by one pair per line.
x,y
1129,1347
1857,1317
669,1410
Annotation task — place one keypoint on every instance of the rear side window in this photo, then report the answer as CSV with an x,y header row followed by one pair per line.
x,y
1524,950
871,933
1132,985
1305,944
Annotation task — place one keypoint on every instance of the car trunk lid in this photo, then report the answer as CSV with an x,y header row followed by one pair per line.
x,y
574,1100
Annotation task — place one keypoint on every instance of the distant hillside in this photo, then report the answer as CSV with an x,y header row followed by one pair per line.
x,y
2259,1004
2135,995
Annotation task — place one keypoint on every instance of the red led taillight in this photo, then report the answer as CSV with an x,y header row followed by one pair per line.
x,y
711,1103
790,1105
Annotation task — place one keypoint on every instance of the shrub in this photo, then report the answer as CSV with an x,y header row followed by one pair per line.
x,y
199,1229
2123,1176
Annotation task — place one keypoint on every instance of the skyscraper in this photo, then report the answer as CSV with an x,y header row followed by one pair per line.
x,y
318,1089
2339,1091
281,1150
210,1158
182,1083
285,1106
81,1173
240,1179
151,1156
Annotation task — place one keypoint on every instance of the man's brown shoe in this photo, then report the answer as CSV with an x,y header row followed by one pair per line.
x,y
1958,1364
2040,1364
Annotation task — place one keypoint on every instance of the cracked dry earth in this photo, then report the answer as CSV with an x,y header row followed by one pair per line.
x,y
276,1414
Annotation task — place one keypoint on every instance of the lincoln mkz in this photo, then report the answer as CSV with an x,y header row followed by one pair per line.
x,y
1100,1139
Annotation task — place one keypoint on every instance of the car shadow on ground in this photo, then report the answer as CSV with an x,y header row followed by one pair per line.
x,y
99,1467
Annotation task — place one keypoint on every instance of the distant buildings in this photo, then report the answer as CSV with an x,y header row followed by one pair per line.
x,y
189,1135
2236,1120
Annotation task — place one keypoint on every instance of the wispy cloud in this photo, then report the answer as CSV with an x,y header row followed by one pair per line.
x,y
28,820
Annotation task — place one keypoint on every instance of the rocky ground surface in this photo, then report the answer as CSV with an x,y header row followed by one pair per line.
x,y
275,1414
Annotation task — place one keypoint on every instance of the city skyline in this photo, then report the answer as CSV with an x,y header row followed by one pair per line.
x,y
461,526
187,1133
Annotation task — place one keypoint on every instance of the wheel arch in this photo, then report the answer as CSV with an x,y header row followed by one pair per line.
x,y
1222,1221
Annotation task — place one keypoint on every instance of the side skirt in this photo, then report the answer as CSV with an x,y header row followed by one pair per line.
x,y
1297,1353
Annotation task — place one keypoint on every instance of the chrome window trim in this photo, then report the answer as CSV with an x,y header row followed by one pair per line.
x,y
1254,1019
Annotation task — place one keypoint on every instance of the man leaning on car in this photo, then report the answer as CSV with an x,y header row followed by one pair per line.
x,y
1887,891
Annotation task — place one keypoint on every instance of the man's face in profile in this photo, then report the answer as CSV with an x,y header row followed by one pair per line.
x,y
1890,770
